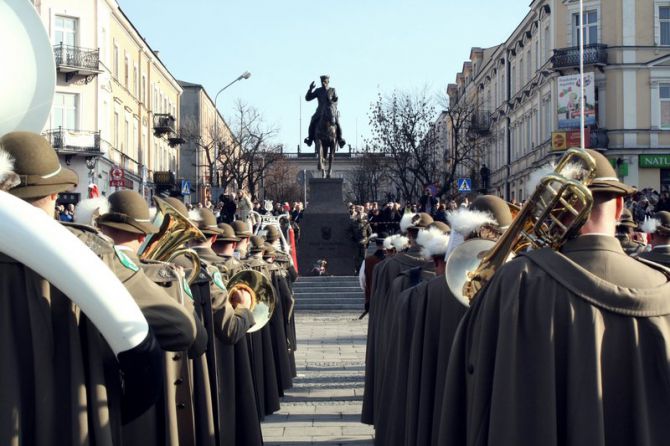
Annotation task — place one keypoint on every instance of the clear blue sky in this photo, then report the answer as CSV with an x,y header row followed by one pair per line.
x,y
365,45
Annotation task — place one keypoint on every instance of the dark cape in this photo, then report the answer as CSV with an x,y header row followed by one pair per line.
x,y
382,278
262,358
659,254
395,347
238,422
278,331
563,349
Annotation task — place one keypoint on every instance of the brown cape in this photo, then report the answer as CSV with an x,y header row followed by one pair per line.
x,y
554,353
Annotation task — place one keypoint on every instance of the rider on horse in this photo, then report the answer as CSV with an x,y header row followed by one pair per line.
x,y
327,97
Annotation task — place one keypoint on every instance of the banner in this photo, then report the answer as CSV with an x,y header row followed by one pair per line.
x,y
568,101
569,139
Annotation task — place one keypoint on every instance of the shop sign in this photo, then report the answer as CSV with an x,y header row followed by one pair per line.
x,y
654,161
569,139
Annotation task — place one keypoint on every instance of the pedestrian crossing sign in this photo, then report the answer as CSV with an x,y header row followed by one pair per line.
x,y
464,184
185,187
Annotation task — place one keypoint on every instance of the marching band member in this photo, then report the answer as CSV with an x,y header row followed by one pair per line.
x,y
566,347
659,228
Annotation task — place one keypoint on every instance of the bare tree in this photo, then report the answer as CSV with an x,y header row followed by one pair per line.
x,y
368,177
401,126
281,182
246,160
465,148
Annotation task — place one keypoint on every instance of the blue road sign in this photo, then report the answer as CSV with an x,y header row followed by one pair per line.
x,y
464,184
185,187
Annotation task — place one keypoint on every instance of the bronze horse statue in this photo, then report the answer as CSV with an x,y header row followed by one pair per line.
x,y
326,140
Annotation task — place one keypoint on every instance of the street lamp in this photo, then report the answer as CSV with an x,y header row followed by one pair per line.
x,y
245,75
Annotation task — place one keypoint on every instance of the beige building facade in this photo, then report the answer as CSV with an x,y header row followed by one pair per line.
x,y
115,116
525,88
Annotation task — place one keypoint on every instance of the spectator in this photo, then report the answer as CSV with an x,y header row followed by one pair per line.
x,y
244,205
67,213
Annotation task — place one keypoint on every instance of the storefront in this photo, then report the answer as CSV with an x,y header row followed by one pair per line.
x,y
655,171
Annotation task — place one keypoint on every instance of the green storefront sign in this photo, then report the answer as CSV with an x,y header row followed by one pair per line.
x,y
655,161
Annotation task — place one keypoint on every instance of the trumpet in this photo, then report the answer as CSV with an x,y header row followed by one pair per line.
x,y
167,244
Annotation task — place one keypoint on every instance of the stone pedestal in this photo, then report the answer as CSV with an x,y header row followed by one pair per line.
x,y
324,230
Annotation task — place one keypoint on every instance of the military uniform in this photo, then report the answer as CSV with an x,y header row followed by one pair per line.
x,y
60,380
660,253
624,233
383,275
565,347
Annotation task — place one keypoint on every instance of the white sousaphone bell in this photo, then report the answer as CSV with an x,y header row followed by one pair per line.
x,y
29,235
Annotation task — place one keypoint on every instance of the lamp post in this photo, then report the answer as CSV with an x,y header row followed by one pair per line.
x,y
245,75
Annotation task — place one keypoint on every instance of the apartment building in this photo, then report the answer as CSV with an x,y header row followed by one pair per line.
x,y
524,92
116,109
204,128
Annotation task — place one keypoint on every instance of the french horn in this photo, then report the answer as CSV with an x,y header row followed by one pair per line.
x,y
263,299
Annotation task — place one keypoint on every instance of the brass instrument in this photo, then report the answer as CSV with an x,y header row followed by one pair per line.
x,y
263,299
167,244
557,209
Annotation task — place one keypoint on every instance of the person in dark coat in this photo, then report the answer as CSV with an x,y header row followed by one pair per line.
x,y
370,262
565,347
659,228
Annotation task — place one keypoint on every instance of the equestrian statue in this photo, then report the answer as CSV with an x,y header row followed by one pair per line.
x,y
324,128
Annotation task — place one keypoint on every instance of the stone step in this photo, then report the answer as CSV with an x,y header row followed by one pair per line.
x,y
330,289
329,307
326,279
328,295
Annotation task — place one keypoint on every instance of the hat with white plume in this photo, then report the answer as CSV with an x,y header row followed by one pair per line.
x,y
88,211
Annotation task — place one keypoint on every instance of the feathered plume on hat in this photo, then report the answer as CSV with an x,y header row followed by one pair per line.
x,y
406,221
650,225
435,243
88,211
400,243
388,242
8,178
572,171
194,216
466,221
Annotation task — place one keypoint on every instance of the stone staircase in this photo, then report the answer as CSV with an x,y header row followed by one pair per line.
x,y
328,293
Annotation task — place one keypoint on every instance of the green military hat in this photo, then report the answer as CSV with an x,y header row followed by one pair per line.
x,y
420,221
627,219
178,205
205,220
256,242
242,228
128,212
271,233
496,206
36,163
606,179
227,233
269,250
442,227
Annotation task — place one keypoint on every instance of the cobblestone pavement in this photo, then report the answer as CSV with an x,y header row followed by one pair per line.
x,y
324,405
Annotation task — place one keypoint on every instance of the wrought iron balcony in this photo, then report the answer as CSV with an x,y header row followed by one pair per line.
x,y
74,142
164,123
594,54
73,60
480,123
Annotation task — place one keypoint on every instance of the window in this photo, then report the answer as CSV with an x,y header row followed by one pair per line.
x,y
522,79
135,82
116,61
143,94
548,119
537,54
529,66
126,139
513,81
116,130
64,114
664,24
547,43
65,31
665,105
590,27
126,72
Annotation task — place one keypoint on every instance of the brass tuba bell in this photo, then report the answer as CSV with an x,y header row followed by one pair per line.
x,y
168,243
560,205
263,298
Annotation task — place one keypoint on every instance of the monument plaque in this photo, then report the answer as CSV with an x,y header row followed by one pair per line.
x,y
324,229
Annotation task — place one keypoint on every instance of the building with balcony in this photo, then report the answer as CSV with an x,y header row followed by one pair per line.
x,y
526,87
205,134
110,84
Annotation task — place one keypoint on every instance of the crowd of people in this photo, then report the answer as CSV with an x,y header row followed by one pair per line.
x,y
170,349
555,346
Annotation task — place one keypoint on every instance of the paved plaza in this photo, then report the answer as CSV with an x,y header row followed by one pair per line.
x,y
324,405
